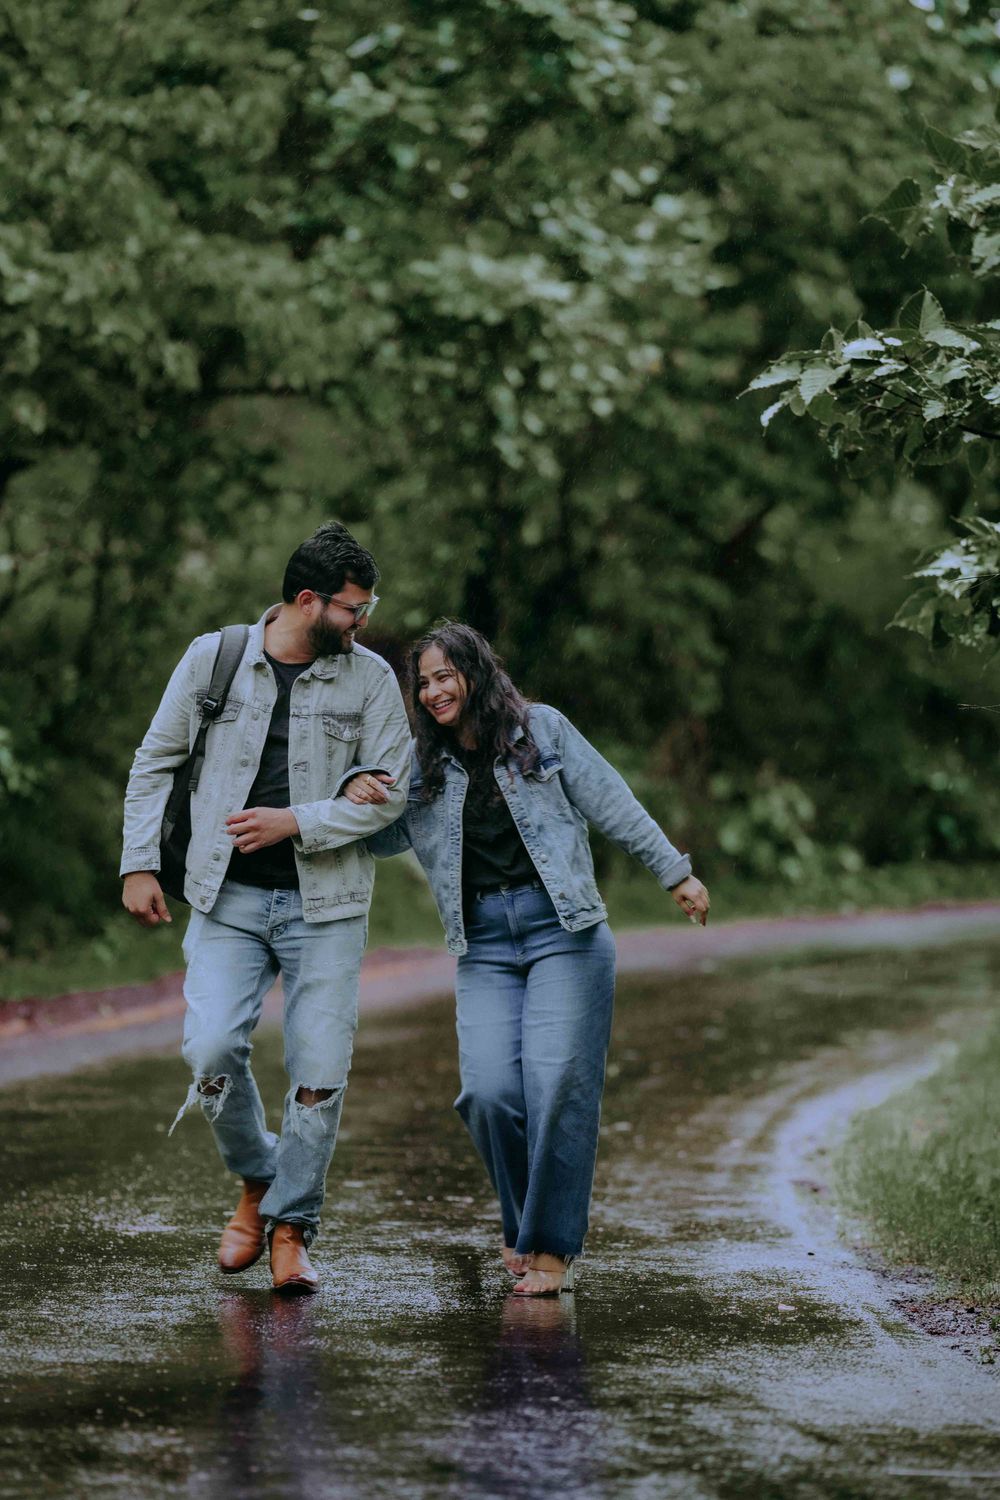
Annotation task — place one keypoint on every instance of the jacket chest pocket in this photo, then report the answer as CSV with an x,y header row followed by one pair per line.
x,y
345,727
229,713
341,733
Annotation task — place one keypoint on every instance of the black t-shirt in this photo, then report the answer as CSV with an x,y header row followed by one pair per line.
x,y
493,851
272,868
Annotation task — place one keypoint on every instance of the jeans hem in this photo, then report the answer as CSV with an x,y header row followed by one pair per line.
x,y
543,1245
309,1228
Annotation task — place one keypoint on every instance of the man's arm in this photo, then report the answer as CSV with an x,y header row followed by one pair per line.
x,y
370,784
384,742
165,746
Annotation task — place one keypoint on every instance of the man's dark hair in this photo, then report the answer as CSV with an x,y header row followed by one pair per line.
x,y
326,561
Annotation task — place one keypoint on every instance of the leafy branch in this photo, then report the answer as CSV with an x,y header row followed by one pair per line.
x,y
925,390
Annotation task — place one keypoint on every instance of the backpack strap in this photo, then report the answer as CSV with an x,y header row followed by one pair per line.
x,y
232,644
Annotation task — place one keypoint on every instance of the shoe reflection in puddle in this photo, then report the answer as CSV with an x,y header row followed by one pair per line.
x,y
274,1420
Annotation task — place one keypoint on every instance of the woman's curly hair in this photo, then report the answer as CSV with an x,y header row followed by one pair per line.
x,y
493,713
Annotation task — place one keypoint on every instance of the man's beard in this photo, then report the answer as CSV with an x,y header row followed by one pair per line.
x,y
327,640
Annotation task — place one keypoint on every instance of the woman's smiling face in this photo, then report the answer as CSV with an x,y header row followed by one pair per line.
x,y
442,691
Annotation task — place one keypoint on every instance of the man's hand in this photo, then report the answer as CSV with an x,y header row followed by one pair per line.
x,y
143,899
368,787
692,898
258,827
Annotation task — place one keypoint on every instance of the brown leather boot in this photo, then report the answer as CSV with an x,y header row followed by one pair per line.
x,y
243,1241
291,1270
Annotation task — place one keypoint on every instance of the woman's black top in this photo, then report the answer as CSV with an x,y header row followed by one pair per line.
x,y
493,851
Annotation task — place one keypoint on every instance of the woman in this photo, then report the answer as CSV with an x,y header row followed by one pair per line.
x,y
499,801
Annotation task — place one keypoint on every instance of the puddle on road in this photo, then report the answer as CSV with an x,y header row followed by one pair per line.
x,y
704,1354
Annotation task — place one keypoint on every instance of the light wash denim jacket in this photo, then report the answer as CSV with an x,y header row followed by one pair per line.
x,y
572,786
344,710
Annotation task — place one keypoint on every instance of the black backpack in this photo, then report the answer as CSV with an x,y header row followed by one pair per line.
x,y
175,831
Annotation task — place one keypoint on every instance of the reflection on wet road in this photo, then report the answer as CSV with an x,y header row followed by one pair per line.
x,y
721,1343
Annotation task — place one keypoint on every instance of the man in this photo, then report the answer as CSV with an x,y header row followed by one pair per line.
x,y
277,878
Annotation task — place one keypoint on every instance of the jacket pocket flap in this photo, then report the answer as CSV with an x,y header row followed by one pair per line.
x,y
229,712
343,726
549,765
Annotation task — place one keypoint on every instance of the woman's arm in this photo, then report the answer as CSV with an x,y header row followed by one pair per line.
x,y
606,801
364,787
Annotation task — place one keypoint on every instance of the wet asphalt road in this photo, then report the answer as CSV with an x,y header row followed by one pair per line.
x,y
721,1344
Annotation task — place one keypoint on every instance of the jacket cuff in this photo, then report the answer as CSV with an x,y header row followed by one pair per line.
x,y
359,771
307,840
678,871
142,859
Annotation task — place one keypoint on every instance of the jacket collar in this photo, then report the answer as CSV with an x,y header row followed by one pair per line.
x,y
323,666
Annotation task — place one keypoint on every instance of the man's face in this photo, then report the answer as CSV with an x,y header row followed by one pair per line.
x,y
333,627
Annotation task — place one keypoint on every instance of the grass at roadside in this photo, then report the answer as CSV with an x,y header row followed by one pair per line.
x,y
921,1173
635,900
403,913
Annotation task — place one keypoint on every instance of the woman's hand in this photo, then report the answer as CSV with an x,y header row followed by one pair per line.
x,y
259,827
369,786
692,898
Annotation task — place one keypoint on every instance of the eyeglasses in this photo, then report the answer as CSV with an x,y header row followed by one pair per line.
x,y
359,611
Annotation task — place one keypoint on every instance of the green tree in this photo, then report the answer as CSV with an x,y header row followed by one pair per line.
x,y
482,281
925,389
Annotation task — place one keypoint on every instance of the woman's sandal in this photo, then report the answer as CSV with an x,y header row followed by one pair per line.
x,y
538,1281
514,1263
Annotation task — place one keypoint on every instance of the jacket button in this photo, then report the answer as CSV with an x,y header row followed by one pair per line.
x,y
216,857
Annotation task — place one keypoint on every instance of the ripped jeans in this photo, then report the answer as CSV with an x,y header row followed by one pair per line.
x,y
234,953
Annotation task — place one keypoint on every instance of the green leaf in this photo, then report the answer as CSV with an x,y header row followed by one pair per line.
x,y
861,348
957,370
819,379
917,613
900,208
920,313
946,151
949,338
824,409
775,375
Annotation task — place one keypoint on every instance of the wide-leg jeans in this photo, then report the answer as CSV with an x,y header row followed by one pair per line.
x,y
234,954
534,1020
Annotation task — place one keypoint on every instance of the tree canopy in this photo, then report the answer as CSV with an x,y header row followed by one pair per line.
x,y
485,282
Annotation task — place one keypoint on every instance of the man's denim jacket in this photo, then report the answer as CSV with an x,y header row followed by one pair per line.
x,y
552,805
344,710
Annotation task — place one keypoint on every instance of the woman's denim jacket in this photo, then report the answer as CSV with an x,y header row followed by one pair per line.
x,y
571,786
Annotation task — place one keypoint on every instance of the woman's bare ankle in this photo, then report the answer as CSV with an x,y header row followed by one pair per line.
x,y
542,1261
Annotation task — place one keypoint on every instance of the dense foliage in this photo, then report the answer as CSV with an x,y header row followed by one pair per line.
x,y
926,389
484,281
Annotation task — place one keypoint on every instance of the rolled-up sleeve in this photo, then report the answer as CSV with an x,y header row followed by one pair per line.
x,y
385,743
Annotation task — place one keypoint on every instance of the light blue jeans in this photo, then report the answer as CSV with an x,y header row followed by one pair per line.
x,y
534,1021
234,954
